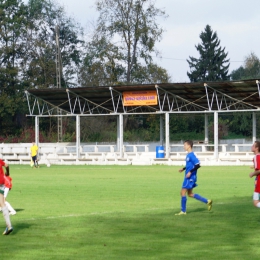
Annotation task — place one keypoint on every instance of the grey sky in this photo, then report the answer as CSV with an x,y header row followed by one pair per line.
x,y
236,22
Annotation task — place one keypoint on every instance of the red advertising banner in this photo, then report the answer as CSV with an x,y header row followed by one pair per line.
x,y
140,98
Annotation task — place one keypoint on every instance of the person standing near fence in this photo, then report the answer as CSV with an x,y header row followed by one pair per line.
x,y
256,160
190,178
34,152
5,211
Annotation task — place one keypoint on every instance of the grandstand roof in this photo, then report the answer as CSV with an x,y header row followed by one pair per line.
x,y
172,97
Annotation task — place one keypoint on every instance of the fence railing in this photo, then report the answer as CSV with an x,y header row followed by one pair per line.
x,y
104,153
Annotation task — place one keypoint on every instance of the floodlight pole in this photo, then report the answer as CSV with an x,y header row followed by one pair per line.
x,y
58,78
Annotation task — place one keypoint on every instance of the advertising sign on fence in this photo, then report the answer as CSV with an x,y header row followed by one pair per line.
x,y
140,98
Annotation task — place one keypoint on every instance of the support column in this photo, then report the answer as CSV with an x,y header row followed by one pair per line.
x,y
216,135
161,130
254,127
37,130
167,135
206,129
78,136
117,134
120,135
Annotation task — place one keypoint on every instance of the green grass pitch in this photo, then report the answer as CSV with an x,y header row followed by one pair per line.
x,y
127,212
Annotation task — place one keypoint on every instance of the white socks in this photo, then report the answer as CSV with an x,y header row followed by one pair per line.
x,y
6,216
10,208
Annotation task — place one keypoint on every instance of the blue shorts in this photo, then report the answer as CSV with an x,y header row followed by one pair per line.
x,y
189,184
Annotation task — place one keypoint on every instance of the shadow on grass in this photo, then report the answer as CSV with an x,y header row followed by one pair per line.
x,y
18,210
227,232
20,227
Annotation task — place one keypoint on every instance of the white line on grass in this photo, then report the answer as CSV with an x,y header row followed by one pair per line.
x,y
106,213
88,214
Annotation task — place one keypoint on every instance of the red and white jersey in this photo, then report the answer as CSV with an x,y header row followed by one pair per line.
x,y
8,182
2,180
256,161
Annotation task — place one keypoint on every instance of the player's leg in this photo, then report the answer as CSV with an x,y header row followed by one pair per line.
x,y
200,198
34,161
256,194
6,191
183,202
8,205
5,211
185,187
256,200
10,208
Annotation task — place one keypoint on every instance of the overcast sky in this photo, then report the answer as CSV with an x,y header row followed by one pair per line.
x,y
236,22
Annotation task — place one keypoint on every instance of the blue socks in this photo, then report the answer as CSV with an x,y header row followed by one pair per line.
x,y
198,197
183,203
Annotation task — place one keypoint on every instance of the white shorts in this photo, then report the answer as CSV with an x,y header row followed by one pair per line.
x,y
6,192
256,196
2,188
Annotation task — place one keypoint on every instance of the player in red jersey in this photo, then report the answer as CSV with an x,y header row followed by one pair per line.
x,y
8,187
5,211
256,150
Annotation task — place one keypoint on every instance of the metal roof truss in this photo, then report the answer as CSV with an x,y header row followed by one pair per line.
x,y
220,101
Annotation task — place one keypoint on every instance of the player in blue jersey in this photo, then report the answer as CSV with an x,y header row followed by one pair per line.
x,y
190,178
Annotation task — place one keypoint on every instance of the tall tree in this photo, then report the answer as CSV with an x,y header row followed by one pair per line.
x,y
101,65
151,73
212,65
250,69
12,31
39,66
132,26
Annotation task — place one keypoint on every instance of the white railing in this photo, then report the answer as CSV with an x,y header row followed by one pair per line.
x,y
65,153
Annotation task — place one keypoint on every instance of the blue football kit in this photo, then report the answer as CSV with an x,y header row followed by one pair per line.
x,y
191,161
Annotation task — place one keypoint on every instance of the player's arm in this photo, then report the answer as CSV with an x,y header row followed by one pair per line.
x,y
182,169
195,168
255,173
7,169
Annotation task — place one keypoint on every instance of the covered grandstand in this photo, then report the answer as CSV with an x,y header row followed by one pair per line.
x,y
209,98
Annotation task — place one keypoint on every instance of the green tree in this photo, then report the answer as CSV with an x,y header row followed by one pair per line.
x,y
151,73
250,69
12,31
39,65
101,65
130,25
212,65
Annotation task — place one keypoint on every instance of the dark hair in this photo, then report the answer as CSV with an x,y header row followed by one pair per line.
x,y
257,145
7,174
189,142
